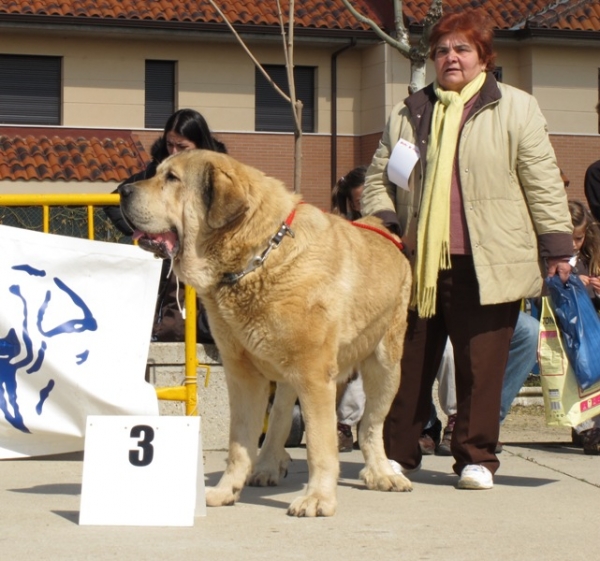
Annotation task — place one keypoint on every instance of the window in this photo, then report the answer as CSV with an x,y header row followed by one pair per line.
x,y
273,113
30,90
160,93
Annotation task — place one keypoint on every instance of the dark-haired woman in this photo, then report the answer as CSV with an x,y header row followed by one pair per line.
x,y
184,130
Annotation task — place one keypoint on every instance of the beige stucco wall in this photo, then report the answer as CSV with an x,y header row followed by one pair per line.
x,y
385,79
104,79
563,79
565,82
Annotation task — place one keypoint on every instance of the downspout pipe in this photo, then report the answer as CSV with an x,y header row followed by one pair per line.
x,y
333,158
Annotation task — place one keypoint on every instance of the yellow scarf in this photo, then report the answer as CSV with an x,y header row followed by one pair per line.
x,y
433,231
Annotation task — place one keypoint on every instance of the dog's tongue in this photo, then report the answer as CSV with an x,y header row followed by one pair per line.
x,y
167,239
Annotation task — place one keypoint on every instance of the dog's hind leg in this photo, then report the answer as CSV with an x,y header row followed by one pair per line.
x,y
381,377
273,459
248,396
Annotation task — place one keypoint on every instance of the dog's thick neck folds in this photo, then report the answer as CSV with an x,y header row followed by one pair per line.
x,y
258,260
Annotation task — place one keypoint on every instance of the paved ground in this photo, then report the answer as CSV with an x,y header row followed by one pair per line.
x,y
544,506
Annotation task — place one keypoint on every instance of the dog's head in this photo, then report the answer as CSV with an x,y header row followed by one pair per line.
x,y
193,190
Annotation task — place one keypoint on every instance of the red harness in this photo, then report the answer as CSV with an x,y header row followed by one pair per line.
x,y
381,232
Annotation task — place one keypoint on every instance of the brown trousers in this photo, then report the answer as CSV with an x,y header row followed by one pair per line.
x,y
481,338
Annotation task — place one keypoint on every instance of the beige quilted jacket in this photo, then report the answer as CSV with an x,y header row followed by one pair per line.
x,y
514,199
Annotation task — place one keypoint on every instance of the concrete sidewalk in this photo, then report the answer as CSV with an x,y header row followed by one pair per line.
x,y
544,506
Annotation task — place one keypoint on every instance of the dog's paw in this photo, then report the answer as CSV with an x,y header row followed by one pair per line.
x,y
268,473
265,478
385,482
217,496
312,505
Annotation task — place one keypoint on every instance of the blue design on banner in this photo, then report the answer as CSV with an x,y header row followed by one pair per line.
x,y
44,393
11,346
82,357
40,359
29,269
87,323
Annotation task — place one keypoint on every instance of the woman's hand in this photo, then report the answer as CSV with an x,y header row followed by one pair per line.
x,y
595,283
558,266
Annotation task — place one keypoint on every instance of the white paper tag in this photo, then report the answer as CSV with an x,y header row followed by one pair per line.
x,y
142,471
405,156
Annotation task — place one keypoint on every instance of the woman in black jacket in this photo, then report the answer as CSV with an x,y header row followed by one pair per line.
x,y
186,129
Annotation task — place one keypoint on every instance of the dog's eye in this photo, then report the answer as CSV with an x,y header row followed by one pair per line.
x,y
171,177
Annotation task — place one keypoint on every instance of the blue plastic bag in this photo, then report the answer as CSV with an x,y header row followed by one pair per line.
x,y
579,326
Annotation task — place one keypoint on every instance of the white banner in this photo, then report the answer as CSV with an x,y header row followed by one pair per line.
x,y
75,323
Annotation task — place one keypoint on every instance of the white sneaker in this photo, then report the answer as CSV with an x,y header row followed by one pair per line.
x,y
399,470
475,477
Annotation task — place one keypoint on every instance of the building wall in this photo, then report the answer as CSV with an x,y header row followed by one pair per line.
x,y
565,83
574,154
104,87
104,80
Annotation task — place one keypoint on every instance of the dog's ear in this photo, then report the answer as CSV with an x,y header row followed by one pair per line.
x,y
224,197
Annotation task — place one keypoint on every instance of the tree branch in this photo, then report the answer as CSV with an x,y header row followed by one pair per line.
x,y
254,60
402,45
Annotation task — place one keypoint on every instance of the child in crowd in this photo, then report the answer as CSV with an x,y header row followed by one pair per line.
x,y
586,264
345,197
586,245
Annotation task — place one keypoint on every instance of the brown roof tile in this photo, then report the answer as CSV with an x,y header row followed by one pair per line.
x,y
329,14
316,14
582,15
45,155
571,15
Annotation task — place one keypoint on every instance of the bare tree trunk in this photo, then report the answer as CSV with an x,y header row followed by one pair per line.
x,y
416,54
295,104
298,148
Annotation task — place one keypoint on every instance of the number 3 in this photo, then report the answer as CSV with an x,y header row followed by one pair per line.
x,y
142,457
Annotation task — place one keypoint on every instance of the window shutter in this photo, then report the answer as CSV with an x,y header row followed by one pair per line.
x,y
30,90
160,93
272,112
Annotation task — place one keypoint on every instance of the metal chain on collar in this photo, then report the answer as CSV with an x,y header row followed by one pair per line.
x,y
258,260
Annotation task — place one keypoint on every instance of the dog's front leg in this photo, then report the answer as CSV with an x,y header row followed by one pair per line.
x,y
317,400
248,395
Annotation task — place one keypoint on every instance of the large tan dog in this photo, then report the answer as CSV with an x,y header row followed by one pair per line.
x,y
293,295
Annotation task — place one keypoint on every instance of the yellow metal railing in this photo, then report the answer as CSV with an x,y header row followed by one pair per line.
x,y
186,393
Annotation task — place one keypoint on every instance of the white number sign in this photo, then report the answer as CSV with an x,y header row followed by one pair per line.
x,y
142,471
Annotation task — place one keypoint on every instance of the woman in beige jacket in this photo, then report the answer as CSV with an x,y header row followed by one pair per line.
x,y
483,213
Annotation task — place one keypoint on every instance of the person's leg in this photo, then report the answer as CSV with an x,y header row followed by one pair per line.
x,y
411,409
446,382
350,409
522,357
351,406
481,337
430,438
